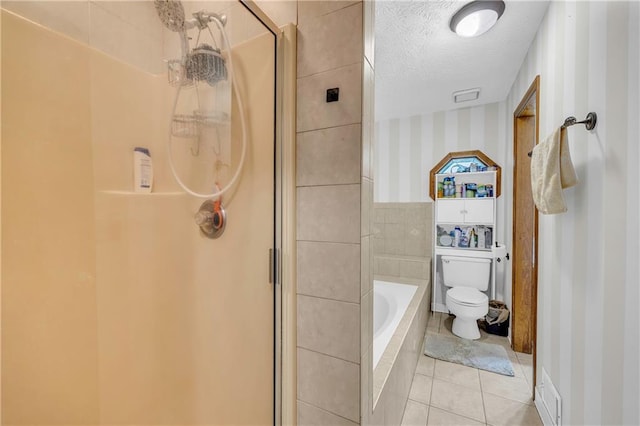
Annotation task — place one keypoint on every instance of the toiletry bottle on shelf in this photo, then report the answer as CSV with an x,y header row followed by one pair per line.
x,y
459,190
142,170
488,237
481,237
456,238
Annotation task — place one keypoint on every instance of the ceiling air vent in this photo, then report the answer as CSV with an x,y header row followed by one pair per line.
x,y
466,95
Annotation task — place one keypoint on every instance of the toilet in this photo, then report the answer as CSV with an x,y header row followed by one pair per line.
x,y
467,278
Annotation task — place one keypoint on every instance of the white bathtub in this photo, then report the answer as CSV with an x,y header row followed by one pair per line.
x,y
390,301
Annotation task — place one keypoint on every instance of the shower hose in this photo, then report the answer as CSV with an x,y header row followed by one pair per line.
x,y
236,94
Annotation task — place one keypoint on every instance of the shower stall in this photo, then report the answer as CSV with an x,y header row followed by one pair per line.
x,y
126,307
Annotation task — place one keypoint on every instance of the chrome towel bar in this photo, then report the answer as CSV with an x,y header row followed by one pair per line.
x,y
589,122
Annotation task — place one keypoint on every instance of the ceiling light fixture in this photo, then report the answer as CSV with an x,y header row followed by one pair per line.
x,y
476,18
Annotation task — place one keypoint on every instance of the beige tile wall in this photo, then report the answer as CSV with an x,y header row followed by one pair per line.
x,y
331,198
402,234
366,262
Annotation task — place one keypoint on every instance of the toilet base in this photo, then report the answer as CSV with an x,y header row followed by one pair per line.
x,y
467,328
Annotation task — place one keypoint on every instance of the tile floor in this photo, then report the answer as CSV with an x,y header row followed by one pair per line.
x,y
444,393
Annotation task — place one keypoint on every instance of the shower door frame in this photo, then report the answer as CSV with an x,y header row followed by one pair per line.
x,y
284,198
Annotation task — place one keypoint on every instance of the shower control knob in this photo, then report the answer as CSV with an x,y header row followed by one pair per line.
x,y
203,218
211,218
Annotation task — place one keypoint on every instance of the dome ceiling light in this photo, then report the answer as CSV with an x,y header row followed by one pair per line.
x,y
476,18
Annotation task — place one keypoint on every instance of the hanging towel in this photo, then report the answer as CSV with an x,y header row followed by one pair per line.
x,y
551,172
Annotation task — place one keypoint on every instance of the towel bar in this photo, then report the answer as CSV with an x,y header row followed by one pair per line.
x,y
589,122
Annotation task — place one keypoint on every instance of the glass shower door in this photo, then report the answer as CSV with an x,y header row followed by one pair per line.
x,y
116,309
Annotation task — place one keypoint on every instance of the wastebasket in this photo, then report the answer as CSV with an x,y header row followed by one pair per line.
x,y
497,319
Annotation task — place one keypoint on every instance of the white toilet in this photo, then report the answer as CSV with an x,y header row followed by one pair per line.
x,y
468,277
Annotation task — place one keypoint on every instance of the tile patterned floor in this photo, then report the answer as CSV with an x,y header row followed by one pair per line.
x,y
445,393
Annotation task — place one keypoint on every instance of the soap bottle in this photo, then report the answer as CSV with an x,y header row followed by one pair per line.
x,y
456,238
481,237
142,170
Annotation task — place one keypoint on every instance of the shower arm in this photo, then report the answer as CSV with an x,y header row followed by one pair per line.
x,y
202,18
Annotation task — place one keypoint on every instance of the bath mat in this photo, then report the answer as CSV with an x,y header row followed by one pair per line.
x,y
485,356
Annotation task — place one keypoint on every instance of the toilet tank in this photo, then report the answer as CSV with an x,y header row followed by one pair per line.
x,y
466,272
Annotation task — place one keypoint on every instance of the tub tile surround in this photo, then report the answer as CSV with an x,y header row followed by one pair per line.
x,y
312,9
312,416
315,259
333,245
324,45
462,395
329,213
402,234
331,383
317,320
366,262
315,113
366,321
328,156
392,378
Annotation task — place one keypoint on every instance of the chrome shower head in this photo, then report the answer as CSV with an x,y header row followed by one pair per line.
x,y
206,63
171,13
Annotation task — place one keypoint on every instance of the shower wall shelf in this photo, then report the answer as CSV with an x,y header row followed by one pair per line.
x,y
146,194
190,125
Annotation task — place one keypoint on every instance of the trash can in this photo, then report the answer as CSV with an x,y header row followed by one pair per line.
x,y
497,319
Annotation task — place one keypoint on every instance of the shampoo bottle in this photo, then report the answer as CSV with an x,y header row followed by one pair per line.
x,y
142,170
456,237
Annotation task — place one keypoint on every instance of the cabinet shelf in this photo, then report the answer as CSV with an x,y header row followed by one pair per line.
x,y
465,198
457,251
470,174
465,159
460,222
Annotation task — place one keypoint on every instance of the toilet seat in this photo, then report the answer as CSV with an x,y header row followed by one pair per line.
x,y
467,296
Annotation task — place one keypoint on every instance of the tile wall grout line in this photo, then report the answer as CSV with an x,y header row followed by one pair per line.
x,y
356,123
331,356
328,184
323,409
358,62
329,298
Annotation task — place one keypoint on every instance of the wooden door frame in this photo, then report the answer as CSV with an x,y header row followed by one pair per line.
x,y
524,110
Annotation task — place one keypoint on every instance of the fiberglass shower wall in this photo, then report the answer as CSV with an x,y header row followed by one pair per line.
x,y
115,310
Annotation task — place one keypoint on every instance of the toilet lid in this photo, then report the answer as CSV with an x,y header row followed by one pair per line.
x,y
468,296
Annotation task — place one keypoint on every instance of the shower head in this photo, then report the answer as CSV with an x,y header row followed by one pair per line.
x,y
171,13
206,63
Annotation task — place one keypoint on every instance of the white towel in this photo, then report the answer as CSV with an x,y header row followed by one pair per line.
x,y
551,172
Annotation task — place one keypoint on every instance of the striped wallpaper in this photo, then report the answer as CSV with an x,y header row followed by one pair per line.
x,y
407,148
588,57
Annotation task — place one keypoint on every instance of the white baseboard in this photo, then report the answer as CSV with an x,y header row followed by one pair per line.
x,y
542,410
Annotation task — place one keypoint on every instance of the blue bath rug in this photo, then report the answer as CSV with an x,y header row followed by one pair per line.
x,y
485,356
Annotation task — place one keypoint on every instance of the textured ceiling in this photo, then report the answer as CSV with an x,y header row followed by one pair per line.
x,y
420,62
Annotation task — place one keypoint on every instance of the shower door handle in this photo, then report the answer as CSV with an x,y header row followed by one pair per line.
x,y
273,266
